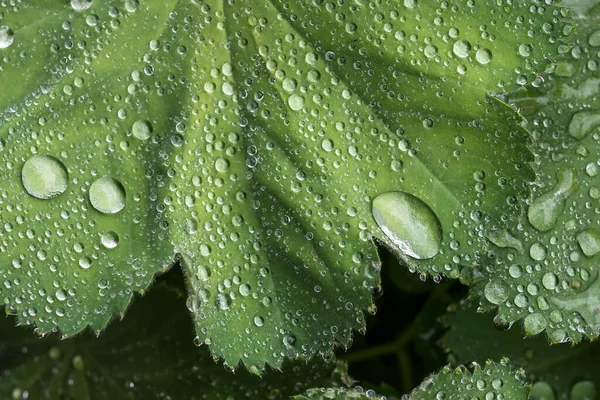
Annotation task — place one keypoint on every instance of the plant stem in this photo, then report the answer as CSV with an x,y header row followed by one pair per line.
x,y
396,346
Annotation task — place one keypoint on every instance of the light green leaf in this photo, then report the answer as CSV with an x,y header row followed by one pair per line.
x,y
266,143
149,355
544,270
473,336
495,380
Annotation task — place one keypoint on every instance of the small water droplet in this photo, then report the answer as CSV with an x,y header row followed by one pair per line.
x,y
534,323
222,165
409,223
193,303
110,240
222,302
461,48
483,56
296,102
81,5
107,195
6,36
85,262
594,39
496,292
141,129
537,251
44,177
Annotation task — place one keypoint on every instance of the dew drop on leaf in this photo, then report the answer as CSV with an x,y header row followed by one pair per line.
x,y
6,36
461,48
483,56
142,129
107,195
296,102
410,225
110,240
534,323
594,39
496,292
44,177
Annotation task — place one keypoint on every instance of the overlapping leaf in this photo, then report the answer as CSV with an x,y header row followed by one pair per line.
x,y
263,142
494,380
472,336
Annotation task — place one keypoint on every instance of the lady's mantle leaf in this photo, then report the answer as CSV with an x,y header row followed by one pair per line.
x,y
264,142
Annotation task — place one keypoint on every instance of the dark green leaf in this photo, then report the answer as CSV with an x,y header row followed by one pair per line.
x,y
558,369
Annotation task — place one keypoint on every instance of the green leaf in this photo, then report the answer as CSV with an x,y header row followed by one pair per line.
x,y
473,336
264,143
337,394
495,380
544,270
149,355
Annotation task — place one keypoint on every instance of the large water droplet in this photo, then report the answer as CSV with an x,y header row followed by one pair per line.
x,y
44,177
107,195
296,102
483,56
461,48
543,213
589,241
409,223
6,36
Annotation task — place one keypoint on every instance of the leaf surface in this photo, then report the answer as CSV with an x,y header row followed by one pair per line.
x,y
265,144
491,381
